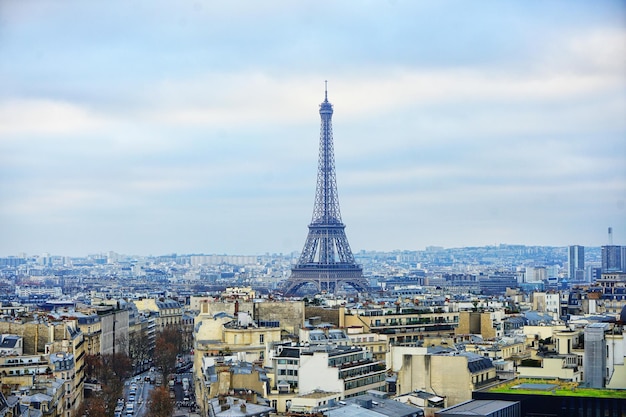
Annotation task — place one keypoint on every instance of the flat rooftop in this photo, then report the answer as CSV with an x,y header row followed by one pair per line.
x,y
553,388
478,407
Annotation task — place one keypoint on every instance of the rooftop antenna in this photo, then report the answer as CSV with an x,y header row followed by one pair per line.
x,y
326,90
610,236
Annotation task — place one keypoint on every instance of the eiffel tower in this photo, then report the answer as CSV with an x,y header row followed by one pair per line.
x,y
326,261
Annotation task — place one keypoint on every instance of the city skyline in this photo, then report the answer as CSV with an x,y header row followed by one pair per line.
x,y
193,128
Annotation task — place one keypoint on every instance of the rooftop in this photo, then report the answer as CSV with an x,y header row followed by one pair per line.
x,y
478,407
553,388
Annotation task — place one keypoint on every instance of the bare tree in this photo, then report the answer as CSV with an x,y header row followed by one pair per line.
x,y
159,403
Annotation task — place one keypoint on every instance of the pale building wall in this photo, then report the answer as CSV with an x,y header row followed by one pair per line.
x,y
566,340
553,303
552,368
93,335
315,374
539,301
290,314
252,341
307,403
487,328
615,353
396,354
488,324
146,304
546,302
448,376
209,328
376,343
618,380
35,335
542,332
512,349
196,302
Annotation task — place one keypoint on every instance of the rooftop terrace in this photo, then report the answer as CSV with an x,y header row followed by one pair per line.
x,y
553,388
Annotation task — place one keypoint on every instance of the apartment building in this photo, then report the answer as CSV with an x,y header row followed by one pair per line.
x,y
402,325
347,370
169,312
453,375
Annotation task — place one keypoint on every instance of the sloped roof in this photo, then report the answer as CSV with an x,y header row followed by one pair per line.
x,y
9,342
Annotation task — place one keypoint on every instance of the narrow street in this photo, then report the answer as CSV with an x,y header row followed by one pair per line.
x,y
140,397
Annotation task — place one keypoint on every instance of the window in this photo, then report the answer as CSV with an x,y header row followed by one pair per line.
x,y
261,338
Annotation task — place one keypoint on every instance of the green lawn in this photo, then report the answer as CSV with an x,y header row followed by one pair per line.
x,y
564,389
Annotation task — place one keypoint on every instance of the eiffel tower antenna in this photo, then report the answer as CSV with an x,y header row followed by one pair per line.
x,y
326,261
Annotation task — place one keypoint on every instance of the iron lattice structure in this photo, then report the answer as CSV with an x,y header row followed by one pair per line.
x,y
326,260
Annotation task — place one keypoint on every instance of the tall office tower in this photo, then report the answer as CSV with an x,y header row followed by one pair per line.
x,y
576,263
326,261
612,259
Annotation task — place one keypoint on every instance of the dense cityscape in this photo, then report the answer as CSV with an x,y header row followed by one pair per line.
x,y
157,163
216,334
439,332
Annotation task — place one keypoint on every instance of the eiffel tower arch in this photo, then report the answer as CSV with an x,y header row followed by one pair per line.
x,y
326,262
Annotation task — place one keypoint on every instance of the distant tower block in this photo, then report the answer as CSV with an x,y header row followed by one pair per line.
x,y
326,261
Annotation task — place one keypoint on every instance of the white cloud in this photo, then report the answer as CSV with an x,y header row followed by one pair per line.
x,y
43,116
182,118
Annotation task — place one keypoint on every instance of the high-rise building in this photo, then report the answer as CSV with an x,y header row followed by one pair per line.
x,y
326,261
612,258
576,263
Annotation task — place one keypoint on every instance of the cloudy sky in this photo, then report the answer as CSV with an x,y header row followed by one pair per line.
x,y
152,127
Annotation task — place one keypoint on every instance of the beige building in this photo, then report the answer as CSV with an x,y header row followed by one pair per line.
x,y
310,402
69,341
52,367
546,302
616,346
222,333
18,370
64,371
376,343
288,315
239,293
552,366
401,326
169,312
534,334
240,338
47,396
220,376
105,329
453,376
91,327
488,324
503,349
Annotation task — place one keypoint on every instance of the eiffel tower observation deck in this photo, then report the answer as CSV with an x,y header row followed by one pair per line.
x,y
326,262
